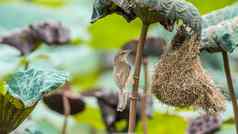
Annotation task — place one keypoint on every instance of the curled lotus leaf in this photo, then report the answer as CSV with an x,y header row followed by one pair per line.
x,y
224,35
166,12
20,94
217,34
102,8
55,101
51,32
29,38
21,39
204,124
219,15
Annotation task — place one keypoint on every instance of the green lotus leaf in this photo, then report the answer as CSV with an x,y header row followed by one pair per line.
x,y
20,94
214,17
228,41
29,86
224,35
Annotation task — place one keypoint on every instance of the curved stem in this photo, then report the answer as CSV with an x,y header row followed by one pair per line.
x,y
144,98
136,77
231,87
66,113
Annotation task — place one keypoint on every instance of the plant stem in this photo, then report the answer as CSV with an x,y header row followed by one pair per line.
x,y
144,98
66,113
25,62
231,87
136,77
26,65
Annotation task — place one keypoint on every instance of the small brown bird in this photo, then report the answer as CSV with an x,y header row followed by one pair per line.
x,y
121,73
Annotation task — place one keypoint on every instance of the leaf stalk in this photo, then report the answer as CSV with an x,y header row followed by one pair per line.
x,y
230,87
136,77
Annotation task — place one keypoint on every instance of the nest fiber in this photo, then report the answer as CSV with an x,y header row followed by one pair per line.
x,y
181,81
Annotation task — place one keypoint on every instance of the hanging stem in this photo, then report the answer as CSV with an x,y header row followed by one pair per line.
x,y
136,77
231,87
66,113
144,97
26,65
25,62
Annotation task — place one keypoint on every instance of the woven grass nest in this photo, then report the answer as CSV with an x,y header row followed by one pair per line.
x,y
180,80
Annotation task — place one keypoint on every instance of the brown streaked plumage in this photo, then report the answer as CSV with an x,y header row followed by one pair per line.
x,y
121,73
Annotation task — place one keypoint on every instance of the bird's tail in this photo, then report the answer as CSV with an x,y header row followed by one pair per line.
x,y
122,100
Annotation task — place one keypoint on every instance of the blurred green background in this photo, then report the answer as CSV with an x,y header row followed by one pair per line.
x,y
85,59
